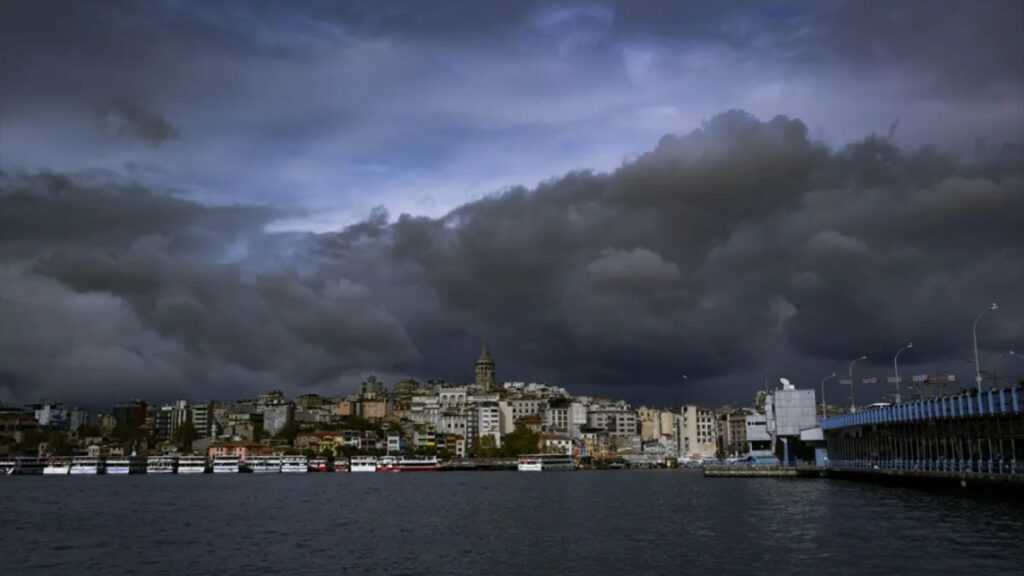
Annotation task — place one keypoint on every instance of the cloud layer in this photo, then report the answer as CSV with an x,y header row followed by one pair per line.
x,y
741,248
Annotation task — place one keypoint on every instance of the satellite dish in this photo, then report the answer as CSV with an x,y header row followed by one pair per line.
x,y
785,381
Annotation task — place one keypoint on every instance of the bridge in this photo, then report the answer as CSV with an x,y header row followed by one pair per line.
x,y
969,434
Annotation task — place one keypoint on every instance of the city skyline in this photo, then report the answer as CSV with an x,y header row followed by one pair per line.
x,y
661,203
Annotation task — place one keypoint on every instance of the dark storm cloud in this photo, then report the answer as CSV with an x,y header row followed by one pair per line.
x,y
705,256
109,287
699,254
740,248
128,119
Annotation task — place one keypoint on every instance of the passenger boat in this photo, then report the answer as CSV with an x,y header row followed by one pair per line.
x,y
57,466
28,465
318,465
118,466
191,465
419,464
546,463
8,466
341,465
363,464
86,465
226,464
388,464
161,464
295,464
264,464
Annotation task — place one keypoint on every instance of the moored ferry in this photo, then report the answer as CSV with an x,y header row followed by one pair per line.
x,y
118,465
8,466
264,464
294,464
419,464
341,464
363,464
388,464
546,463
318,465
57,466
161,464
226,464
191,465
90,465
28,465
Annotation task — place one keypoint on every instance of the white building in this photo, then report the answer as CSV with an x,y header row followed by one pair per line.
x,y
697,433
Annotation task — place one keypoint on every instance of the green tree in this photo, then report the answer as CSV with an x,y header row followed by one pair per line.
x,y
521,441
288,432
185,435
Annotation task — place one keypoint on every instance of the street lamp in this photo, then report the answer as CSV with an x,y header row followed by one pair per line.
x,y
977,367
853,406
896,367
832,375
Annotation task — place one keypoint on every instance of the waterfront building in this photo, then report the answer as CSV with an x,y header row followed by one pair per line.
x,y
697,432
557,444
732,432
244,426
277,416
758,439
131,413
201,419
14,422
556,416
394,442
310,401
617,419
50,414
485,369
489,422
788,412
371,388
240,449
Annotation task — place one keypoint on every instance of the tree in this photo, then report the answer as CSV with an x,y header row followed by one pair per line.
x,y
288,432
185,435
521,441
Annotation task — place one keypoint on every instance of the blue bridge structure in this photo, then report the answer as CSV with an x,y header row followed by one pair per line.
x,y
967,434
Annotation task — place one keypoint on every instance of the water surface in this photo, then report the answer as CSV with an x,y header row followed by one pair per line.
x,y
626,522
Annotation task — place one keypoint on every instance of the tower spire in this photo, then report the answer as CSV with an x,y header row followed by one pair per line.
x,y
485,369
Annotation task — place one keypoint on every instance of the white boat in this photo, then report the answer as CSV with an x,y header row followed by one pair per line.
x,y
191,465
294,464
86,465
546,463
118,466
363,464
57,466
226,464
264,464
318,465
28,465
419,464
341,464
388,464
8,466
161,464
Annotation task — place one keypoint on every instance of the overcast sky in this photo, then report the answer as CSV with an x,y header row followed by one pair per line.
x,y
209,200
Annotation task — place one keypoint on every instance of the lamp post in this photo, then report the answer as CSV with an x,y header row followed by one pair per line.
x,y
823,380
896,367
974,330
853,406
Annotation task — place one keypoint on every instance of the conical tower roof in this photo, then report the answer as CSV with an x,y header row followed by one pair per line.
x,y
485,354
